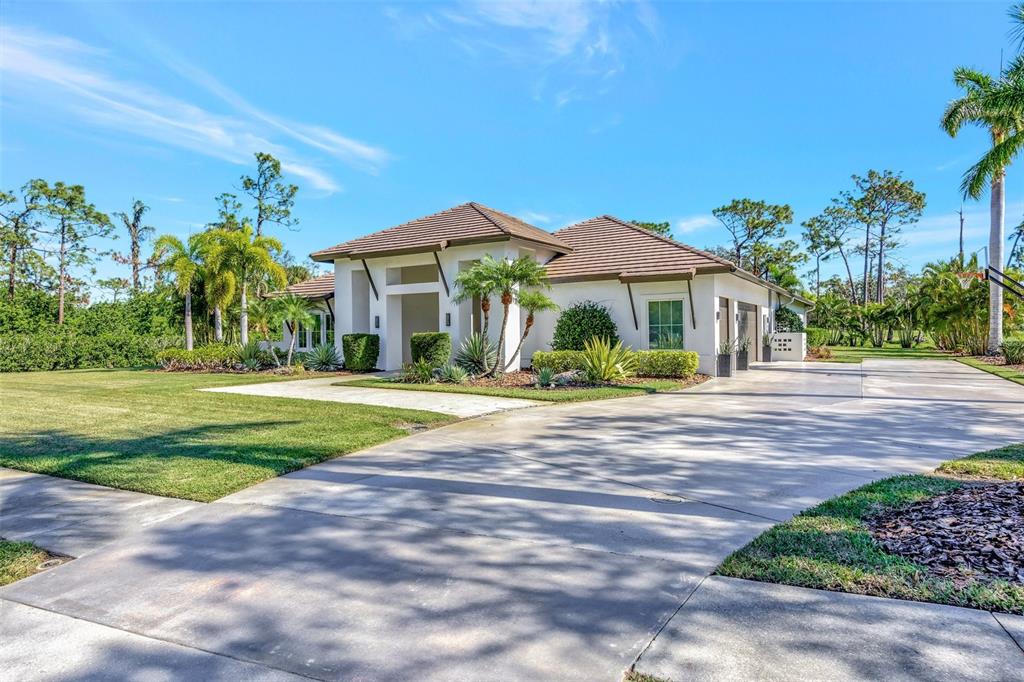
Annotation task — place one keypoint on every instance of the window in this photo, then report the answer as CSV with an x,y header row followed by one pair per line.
x,y
329,324
315,332
665,325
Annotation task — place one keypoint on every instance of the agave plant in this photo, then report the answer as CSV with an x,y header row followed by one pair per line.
x,y
251,356
419,372
605,363
452,374
545,376
323,358
476,354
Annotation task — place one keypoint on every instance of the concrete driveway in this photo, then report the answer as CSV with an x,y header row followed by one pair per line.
x,y
551,543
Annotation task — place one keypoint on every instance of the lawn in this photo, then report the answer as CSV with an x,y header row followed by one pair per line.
x,y
829,546
890,351
1009,373
19,560
560,395
153,432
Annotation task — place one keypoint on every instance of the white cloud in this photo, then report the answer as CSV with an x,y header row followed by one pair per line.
x,y
694,223
535,217
60,72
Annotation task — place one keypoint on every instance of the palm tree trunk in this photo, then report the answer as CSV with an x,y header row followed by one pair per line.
x,y
880,284
997,207
291,344
499,357
244,316
188,320
218,325
485,308
526,330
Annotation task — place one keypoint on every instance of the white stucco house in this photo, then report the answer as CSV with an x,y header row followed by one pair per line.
x,y
660,292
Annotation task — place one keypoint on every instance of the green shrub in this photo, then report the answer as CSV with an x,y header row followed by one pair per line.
x,y
476,354
817,337
56,348
544,377
1013,351
581,322
666,363
434,347
558,361
201,359
252,356
452,374
323,358
360,351
419,372
787,320
604,363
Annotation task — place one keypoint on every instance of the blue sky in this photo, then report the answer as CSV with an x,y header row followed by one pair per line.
x,y
555,112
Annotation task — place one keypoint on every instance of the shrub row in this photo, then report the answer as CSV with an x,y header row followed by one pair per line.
x,y
649,363
433,347
360,351
201,358
69,349
1013,351
817,337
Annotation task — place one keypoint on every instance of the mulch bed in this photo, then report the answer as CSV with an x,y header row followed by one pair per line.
x,y
972,533
998,361
527,379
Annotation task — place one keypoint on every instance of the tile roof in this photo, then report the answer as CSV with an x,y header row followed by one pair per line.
x,y
606,247
318,287
463,224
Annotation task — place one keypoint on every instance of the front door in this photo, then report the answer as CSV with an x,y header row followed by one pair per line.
x,y
747,327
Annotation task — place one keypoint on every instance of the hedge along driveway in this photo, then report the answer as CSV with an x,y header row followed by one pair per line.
x,y
153,432
559,395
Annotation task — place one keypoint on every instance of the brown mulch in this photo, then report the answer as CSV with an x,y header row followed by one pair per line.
x,y
527,379
972,533
997,360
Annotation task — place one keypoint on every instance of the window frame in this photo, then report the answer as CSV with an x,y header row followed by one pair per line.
x,y
682,321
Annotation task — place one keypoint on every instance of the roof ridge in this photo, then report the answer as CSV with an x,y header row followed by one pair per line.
x,y
670,240
395,227
483,211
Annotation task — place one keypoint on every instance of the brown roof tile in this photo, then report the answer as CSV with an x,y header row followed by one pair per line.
x,y
606,247
318,287
464,224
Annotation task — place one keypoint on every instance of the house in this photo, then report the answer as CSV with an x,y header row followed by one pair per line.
x,y
661,293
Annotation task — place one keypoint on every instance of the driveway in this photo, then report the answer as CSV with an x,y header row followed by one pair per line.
x,y
551,543
327,388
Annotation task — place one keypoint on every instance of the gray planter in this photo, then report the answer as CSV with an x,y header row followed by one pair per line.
x,y
766,353
725,365
741,360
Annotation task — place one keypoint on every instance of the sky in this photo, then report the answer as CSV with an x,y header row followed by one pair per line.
x,y
555,112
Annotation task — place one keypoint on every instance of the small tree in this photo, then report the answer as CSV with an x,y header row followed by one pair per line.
x,y
532,302
274,199
252,260
137,234
751,223
16,230
581,322
294,310
184,260
264,315
476,282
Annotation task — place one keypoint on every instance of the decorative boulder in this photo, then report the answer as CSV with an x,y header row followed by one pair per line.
x,y
570,378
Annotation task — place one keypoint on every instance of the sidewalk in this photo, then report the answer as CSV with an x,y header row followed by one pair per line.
x,y
732,629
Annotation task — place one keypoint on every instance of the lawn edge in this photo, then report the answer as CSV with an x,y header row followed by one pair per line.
x,y
990,369
627,391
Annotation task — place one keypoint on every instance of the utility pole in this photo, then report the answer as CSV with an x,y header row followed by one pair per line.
x,y
961,232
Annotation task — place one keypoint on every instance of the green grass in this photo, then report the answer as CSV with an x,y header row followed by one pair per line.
x,y
829,546
890,351
1007,373
19,560
153,432
564,395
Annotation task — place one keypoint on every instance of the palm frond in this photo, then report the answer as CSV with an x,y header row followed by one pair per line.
x,y
992,165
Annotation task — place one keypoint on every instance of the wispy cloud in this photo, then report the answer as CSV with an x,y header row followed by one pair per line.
x,y
63,72
694,223
535,217
570,43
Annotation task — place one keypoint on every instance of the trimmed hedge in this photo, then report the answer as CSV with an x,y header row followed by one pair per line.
x,y
360,351
649,363
817,337
202,358
434,347
581,322
666,363
57,348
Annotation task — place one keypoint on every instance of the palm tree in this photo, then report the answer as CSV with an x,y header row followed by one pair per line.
x,y
295,312
989,103
252,261
219,286
477,283
532,301
264,315
507,277
185,261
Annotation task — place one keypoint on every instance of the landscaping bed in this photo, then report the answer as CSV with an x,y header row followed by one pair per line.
x,y
21,559
522,384
995,364
951,537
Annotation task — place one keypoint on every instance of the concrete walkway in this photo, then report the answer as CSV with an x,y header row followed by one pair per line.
x,y
457,404
74,518
530,544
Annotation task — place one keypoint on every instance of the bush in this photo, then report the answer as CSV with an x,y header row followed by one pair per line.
x,y
419,372
581,322
544,377
63,348
434,347
323,358
817,337
787,321
666,363
360,351
604,363
558,361
201,359
1013,351
452,374
476,354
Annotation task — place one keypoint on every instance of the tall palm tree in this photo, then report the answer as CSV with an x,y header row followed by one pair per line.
x,y
532,301
987,102
185,261
477,283
252,260
294,310
508,276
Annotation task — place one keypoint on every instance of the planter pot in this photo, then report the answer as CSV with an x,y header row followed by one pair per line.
x,y
741,360
766,353
725,365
